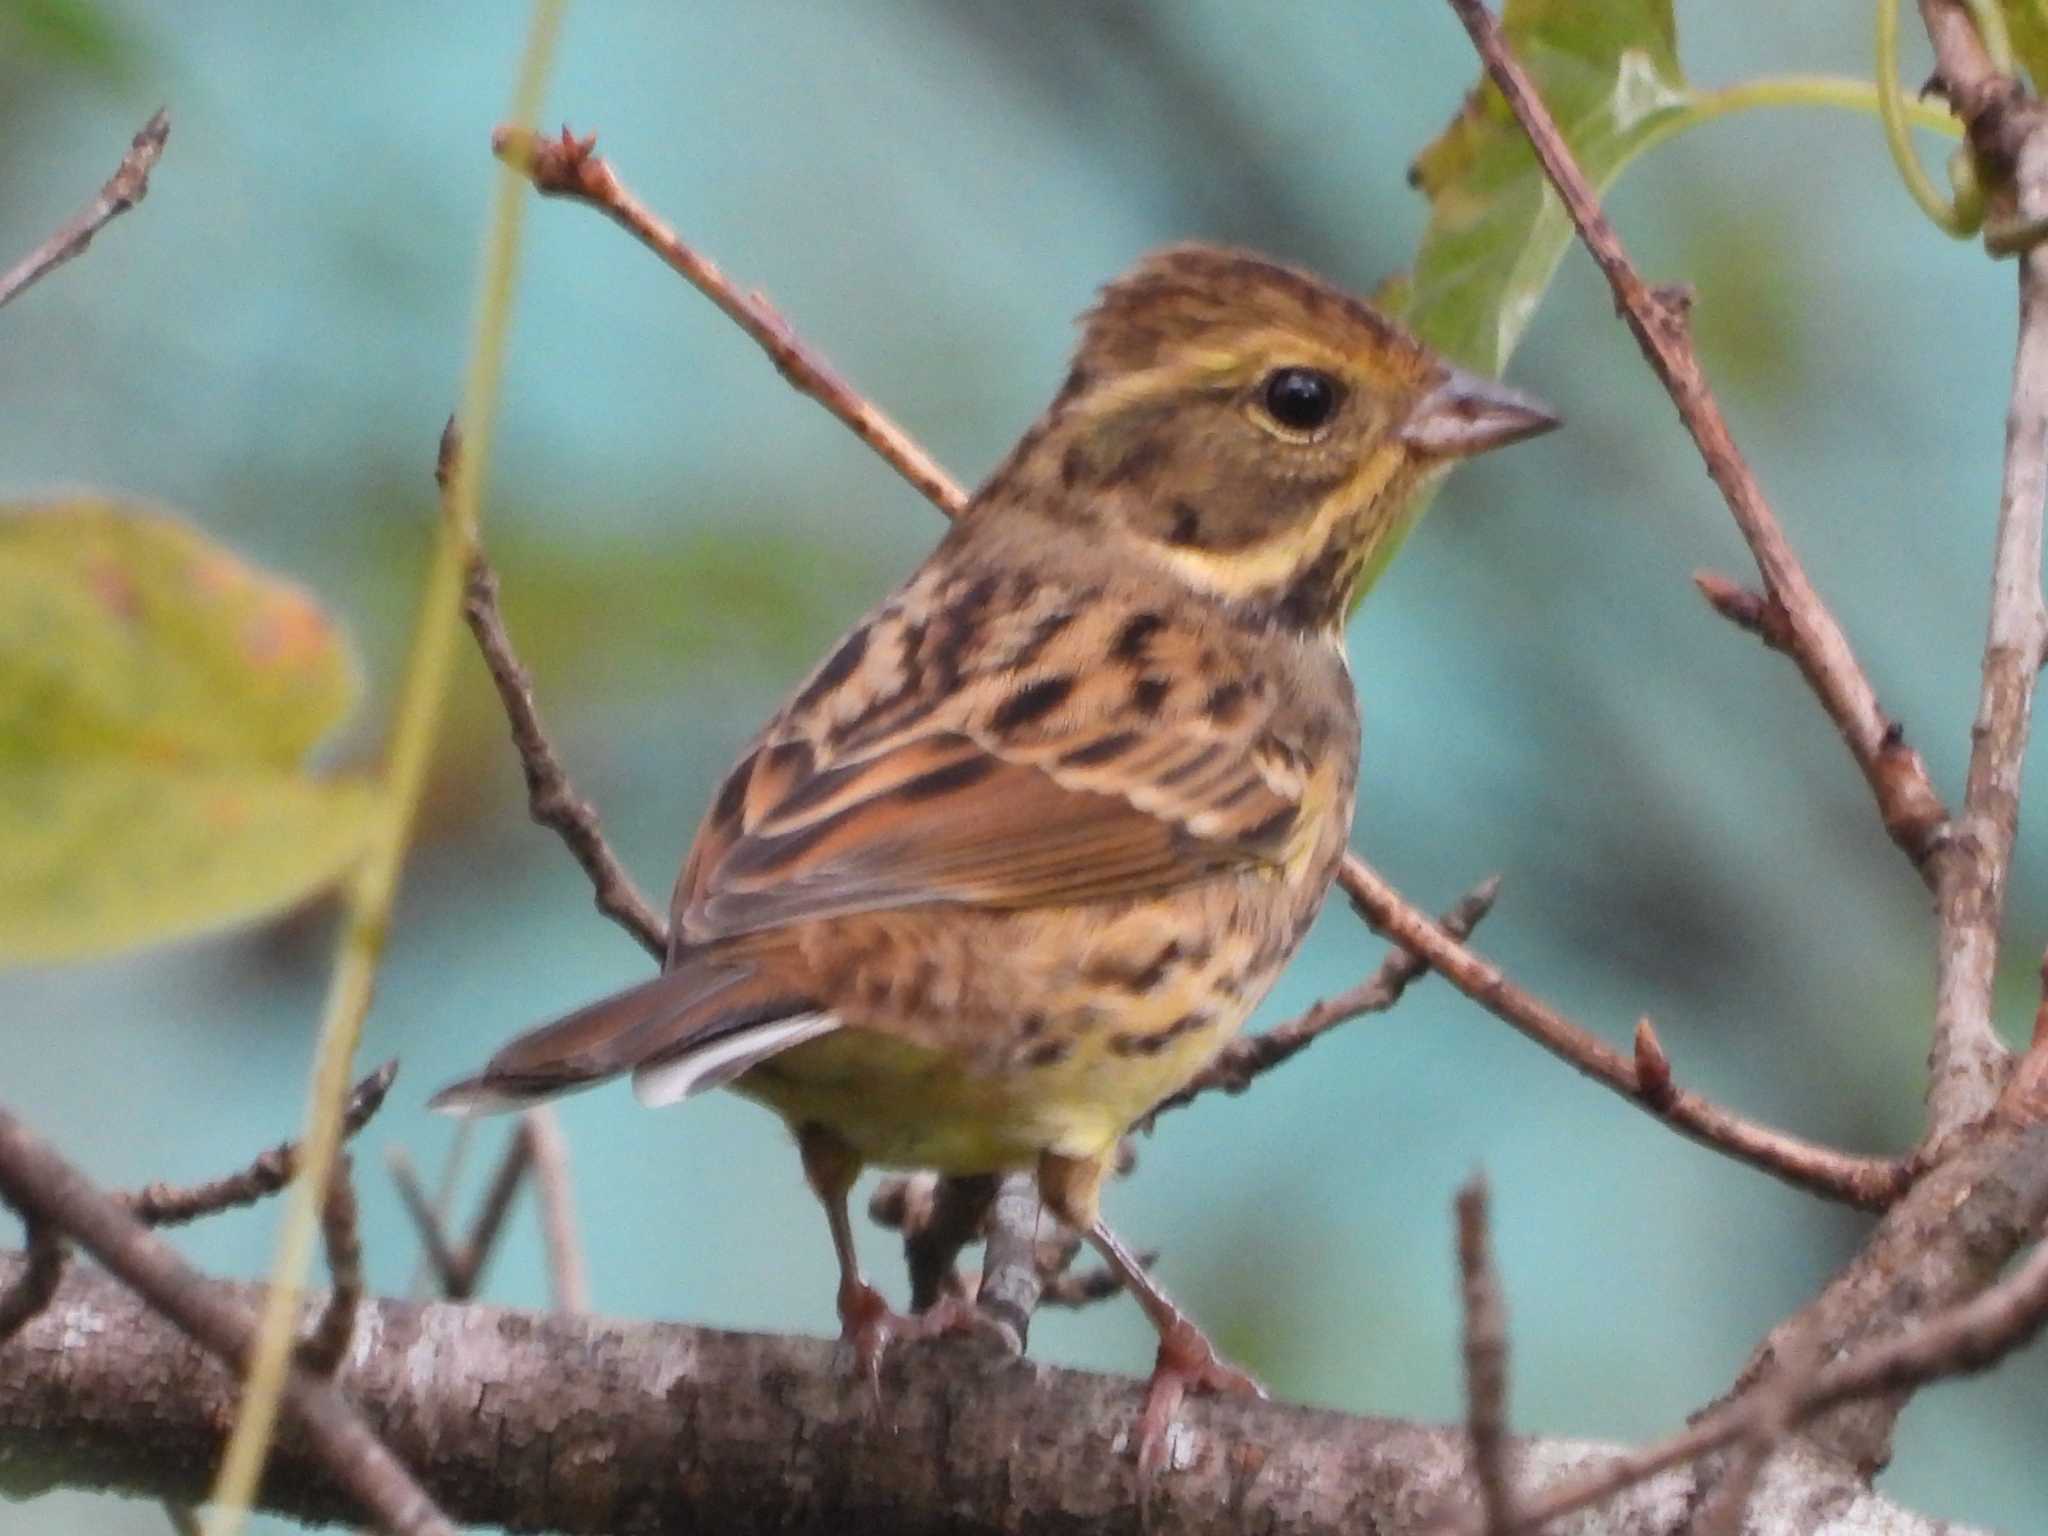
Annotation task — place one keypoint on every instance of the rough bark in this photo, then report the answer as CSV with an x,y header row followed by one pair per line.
x,y
586,1425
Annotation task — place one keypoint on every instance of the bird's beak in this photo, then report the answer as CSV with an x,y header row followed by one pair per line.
x,y
1466,414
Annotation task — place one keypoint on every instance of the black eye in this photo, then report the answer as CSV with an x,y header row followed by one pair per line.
x,y
1301,399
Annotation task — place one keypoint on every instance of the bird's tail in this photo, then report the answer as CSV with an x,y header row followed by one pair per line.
x,y
691,1028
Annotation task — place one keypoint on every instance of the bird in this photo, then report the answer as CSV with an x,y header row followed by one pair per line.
x,y
1029,845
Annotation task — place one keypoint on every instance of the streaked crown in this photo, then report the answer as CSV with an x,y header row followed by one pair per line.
x,y
1251,428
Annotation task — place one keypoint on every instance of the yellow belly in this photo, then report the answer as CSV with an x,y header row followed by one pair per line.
x,y
911,1106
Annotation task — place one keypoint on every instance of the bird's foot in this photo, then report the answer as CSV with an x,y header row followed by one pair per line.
x,y
1187,1362
872,1328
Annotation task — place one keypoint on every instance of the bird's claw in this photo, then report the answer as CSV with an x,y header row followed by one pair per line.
x,y
867,1323
1187,1362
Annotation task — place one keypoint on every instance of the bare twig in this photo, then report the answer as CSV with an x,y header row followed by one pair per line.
x,y
550,797
123,190
568,1279
1239,1063
1967,1062
570,167
1486,1360
168,1205
321,1351
1912,811
35,1180
183,1521
20,1302
1868,1182
459,1267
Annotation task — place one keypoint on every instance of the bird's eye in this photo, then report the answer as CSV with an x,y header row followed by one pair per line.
x,y
1301,399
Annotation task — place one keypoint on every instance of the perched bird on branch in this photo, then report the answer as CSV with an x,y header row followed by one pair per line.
x,y
1027,848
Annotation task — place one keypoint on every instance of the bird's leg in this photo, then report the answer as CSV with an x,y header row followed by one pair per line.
x,y
1072,1190
865,1319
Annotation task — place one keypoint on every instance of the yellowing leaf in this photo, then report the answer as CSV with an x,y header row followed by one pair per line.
x,y
1608,71
158,698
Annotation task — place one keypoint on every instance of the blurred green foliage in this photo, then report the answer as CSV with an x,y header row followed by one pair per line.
x,y
158,699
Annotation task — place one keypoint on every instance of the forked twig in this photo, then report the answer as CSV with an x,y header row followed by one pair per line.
x,y
459,1266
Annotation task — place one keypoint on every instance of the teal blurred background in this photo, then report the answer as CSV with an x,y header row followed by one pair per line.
x,y
931,191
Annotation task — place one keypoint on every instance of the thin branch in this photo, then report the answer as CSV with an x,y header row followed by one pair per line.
x,y
322,1350
20,1302
551,798
1967,1062
1912,811
169,1205
124,189
1868,1182
568,1279
1239,1064
570,167
1486,1360
35,1180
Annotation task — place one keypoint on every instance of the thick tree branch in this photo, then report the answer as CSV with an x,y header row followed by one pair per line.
x,y
1644,1079
124,189
1912,811
581,1424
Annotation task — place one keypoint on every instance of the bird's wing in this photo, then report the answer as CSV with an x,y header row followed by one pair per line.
x,y
910,774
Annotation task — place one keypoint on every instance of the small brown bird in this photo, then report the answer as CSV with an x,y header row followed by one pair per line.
x,y
1025,851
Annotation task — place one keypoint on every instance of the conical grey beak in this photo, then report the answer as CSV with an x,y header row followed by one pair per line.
x,y
1466,414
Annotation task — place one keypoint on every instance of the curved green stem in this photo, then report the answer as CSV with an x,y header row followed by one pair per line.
x,y
375,884
1837,91
1892,111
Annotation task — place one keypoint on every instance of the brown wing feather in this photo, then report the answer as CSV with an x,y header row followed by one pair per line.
x,y
997,787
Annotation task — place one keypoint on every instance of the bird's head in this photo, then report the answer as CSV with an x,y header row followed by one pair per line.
x,y
1251,428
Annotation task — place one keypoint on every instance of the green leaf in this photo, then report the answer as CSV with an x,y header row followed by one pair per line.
x,y
1608,71
158,699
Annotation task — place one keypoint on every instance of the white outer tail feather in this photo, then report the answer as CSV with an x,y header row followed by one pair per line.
x,y
720,1061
